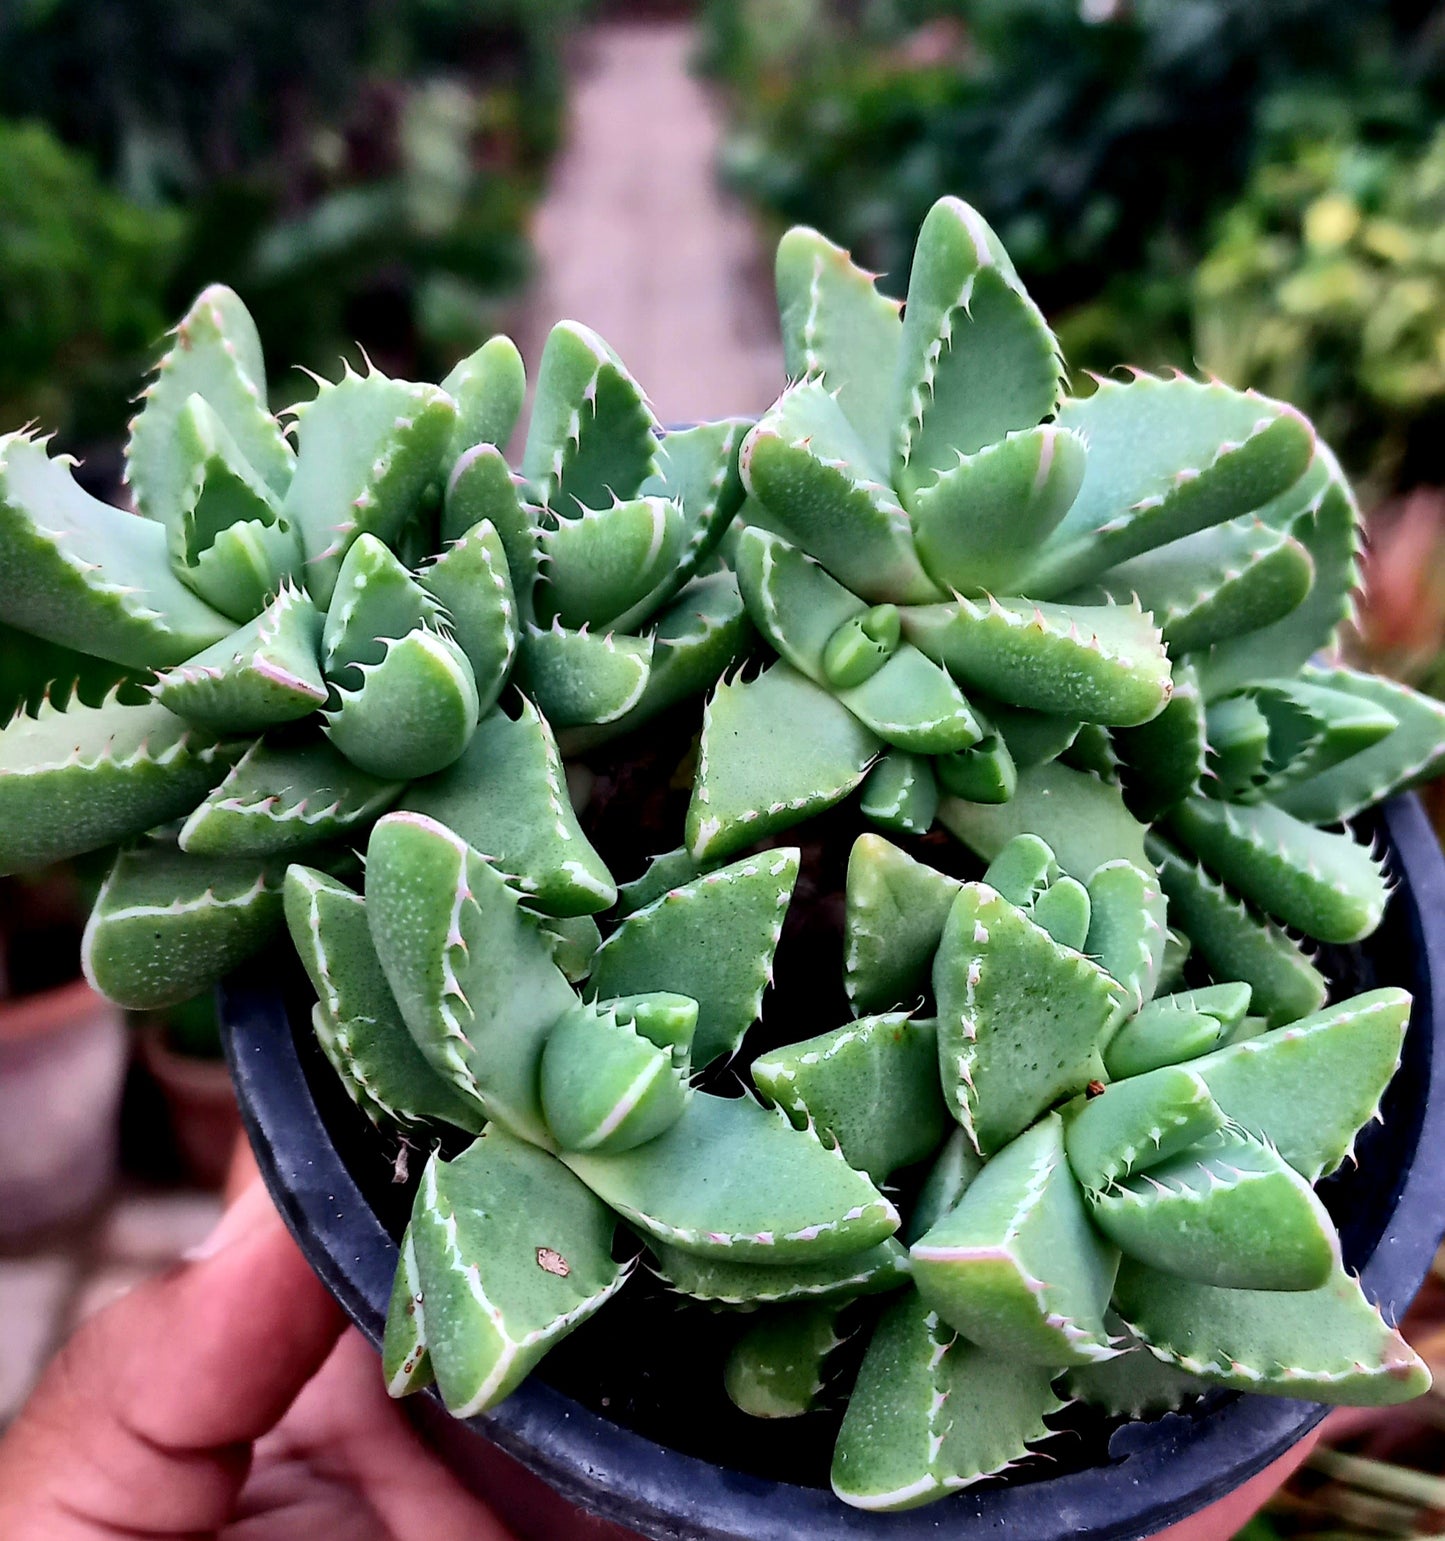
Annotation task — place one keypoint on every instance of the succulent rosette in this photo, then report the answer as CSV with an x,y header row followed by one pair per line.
x,y
1065,658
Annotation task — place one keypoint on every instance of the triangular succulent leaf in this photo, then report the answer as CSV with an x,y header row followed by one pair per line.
x,y
283,797
736,1180
977,360
75,777
1016,1266
775,750
471,973
78,572
872,1087
167,926
512,1254
506,796
593,437
838,328
713,939
358,1023
1322,1345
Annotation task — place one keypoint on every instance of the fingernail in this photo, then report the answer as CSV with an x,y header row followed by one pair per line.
x,y
242,1219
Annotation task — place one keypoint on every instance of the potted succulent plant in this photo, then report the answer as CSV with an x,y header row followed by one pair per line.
x,y
982,720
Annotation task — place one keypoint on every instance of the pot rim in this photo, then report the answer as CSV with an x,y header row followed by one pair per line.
x,y
1163,1470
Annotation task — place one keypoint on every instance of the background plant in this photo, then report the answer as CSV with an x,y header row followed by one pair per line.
x,y
361,170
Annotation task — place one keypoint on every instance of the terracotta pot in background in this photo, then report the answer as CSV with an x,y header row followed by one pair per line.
x,y
63,1056
200,1106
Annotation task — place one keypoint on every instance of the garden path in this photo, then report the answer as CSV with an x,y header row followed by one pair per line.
x,y
635,237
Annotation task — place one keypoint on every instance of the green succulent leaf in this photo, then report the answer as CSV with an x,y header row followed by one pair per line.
x,y
775,750
1092,663
805,464
1321,514
482,489
1167,458
1062,910
838,329
357,1021
1136,1125
506,796
1413,753
1215,584
606,566
1229,1212
1307,1089
932,1413
78,572
871,1087
1126,936
735,1180
1133,1384
1236,942
718,1281
606,1086
265,673
575,940
670,870
701,634
1167,1031
582,678
977,360
1016,1266
472,583
900,793
697,468
488,387
512,1254
954,1168
712,938
75,777
412,714
979,525
1082,819
895,910
1321,1345
1032,738
1312,728
367,449
593,437
375,600
983,773
1022,870
1324,884
1020,1018
471,972
227,537
777,1368
216,356
282,798
1165,759
405,1360
167,926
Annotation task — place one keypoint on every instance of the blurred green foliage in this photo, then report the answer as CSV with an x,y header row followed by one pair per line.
x,y
1089,131
83,278
358,169
1327,286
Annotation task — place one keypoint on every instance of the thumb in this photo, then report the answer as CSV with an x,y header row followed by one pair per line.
x,y
144,1423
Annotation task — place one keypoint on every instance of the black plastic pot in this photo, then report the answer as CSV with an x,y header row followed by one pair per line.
x,y
333,1186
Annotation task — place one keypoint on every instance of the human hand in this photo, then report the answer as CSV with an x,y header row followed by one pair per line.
x,y
223,1399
